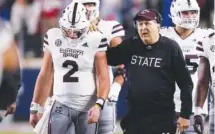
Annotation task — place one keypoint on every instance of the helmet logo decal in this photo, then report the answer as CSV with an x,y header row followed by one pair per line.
x,y
188,1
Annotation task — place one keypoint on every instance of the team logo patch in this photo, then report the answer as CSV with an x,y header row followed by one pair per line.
x,y
212,48
58,42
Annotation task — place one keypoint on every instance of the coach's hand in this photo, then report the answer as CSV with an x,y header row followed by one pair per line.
x,y
94,114
34,118
198,124
183,124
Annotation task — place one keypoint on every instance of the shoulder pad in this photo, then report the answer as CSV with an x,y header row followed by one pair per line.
x,y
165,30
116,27
50,34
94,38
205,32
54,32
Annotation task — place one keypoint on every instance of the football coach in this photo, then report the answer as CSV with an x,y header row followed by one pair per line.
x,y
154,64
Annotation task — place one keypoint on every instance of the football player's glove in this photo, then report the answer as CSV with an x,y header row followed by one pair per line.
x,y
198,124
114,92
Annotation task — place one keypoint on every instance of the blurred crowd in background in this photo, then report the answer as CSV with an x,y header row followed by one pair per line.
x,y
30,19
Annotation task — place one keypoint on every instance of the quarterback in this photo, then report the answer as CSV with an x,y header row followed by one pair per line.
x,y
77,59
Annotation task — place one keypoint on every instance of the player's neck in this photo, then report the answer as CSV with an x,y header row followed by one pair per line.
x,y
183,33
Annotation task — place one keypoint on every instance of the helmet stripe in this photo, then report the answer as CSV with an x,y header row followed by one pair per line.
x,y
74,13
188,1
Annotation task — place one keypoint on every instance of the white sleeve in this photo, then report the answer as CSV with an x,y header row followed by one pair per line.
x,y
203,47
117,30
103,44
200,49
46,42
6,37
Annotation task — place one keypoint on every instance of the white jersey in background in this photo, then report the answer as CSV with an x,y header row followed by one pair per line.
x,y
188,47
74,72
6,38
111,29
207,49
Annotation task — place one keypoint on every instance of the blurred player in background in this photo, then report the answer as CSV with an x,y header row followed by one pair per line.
x,y
9,88
8,62
185,15
75,56
206,72
114,32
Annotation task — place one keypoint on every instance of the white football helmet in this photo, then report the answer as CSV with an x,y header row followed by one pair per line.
x,y
74,22
178,6
92,12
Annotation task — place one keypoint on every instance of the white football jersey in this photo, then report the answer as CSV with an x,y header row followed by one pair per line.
x,y
111,29
6,38
74,71
206,48
188,47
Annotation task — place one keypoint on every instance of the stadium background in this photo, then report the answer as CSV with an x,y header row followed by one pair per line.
x,y
31,18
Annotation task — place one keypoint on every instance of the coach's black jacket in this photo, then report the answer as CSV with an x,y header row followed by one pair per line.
x,y
152,72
